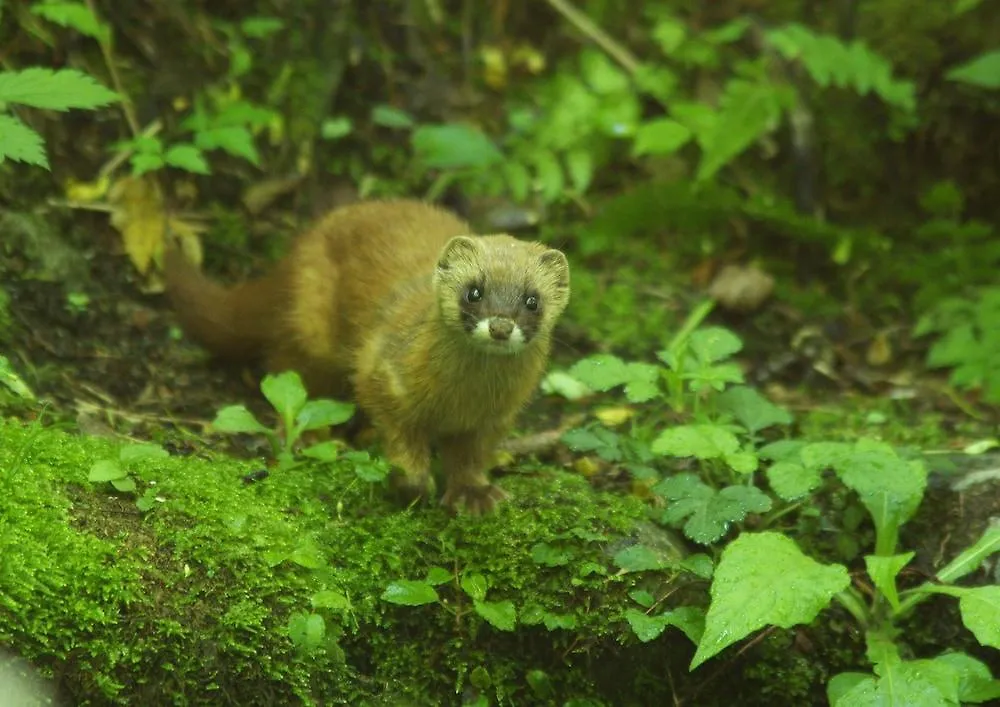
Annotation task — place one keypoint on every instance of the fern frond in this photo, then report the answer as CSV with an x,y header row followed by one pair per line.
x,y
54,90
20,143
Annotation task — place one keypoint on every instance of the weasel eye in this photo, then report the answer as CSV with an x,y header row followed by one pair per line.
x,y
531,302
473,294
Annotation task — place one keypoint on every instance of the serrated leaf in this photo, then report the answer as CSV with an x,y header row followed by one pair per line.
x,y
317,414
742,462
792,481
454,146
407,592
747,111
142,452
188,158
499,614
764,579
751,409
236,419
598,439
698,441
20,143
689,619
74,15
285,392
660,137
53,90
306,631
714,344
105,470
983,71
235,140
145,162
883,571
707,514
605,371
475,585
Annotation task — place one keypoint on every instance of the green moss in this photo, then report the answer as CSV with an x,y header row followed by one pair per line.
x,y
192,599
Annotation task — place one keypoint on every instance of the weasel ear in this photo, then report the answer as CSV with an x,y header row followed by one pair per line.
x,y
555,264
456,250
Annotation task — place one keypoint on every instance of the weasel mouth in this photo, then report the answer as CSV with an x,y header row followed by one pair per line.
x,y
498,335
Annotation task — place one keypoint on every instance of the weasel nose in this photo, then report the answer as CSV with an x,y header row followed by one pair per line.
x,y
500,329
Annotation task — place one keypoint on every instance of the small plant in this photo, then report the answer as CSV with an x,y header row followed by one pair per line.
x,y
45,89
968,333
296,413
115,471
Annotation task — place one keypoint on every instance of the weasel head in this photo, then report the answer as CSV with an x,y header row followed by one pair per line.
x,y
502,294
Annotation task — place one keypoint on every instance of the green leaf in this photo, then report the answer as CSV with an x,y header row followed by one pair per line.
x,y
328,451
980,607
285,392
54,90
549,175
74,15
105,470
883,571
580,168
317,414
336,128
454,146
438,575
690,620
408,592
8,376
639,558
751,409
706,514
549,556
142,452
660,137
844,683
499,614
983,71
713,344
260,27
596,439
518,179
125,484
475,585
792,481
554,622
759,565
236,419
390,117
976,685
20,143
187,157
605,371
971,559
601,74
368,469
143,162
747,110
329,599
915,683
742,462
235,140
698,441
306,631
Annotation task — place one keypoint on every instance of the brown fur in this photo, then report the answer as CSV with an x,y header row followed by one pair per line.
x,y
372,301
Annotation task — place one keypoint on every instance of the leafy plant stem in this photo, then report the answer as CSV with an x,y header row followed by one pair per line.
x,y
855,606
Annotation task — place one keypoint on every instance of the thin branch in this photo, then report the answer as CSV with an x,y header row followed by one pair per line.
x,y
597,35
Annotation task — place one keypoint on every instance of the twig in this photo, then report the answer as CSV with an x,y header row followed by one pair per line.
x,y
109,60
601,38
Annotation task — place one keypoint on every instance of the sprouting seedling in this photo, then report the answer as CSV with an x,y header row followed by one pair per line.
x,y
298,414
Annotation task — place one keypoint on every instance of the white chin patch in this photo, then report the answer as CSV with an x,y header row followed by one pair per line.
x,y
484,341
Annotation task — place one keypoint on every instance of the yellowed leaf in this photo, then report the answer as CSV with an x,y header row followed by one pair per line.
x,y
614,416
137,213
585,466
528,58
879,350
87,192
494,66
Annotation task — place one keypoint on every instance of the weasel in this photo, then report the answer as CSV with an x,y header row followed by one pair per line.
x,y
440,336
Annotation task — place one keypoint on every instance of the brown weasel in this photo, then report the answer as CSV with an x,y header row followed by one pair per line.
x,y
440,335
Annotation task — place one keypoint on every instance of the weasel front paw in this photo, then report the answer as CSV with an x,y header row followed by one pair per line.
x,y
409,489
476,500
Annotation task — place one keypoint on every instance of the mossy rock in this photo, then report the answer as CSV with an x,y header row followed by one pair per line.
x,y
195,600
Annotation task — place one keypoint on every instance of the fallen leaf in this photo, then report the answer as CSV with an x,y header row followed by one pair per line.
x,y
741,288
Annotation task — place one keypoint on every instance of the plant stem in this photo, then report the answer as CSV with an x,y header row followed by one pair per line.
x,y
597,35
855,606
104,42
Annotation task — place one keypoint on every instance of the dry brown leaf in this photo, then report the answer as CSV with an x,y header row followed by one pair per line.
x,y
741,288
